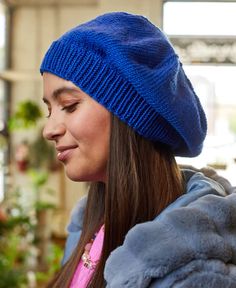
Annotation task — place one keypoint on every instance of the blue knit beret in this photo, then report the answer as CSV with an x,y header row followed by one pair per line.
x,y
128,65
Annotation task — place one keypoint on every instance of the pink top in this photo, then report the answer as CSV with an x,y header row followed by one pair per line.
x,y
83,274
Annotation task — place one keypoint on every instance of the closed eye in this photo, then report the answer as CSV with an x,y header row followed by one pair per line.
x,y
70,108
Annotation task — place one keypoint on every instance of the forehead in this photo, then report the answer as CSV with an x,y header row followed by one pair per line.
x,y
51,82
54,87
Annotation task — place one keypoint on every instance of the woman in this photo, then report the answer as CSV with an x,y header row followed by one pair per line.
x,y
120,108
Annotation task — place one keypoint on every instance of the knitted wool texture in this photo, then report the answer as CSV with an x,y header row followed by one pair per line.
x,y
128,65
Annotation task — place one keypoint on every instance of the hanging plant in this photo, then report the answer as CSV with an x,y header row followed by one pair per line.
x,y
26,115
42,154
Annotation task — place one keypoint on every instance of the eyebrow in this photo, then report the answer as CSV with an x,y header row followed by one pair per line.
x,y
62,90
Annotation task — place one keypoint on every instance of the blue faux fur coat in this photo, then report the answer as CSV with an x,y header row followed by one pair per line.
x,y
191,244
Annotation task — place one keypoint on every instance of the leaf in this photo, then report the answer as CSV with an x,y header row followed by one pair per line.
x,y
26,115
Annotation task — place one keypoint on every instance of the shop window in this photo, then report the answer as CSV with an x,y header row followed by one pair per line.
x,y
204,35
212,18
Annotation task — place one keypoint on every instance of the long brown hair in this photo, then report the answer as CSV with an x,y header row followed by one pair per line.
x,y
142,179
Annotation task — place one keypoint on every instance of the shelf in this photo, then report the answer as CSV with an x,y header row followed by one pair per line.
x,y
17,3
13,76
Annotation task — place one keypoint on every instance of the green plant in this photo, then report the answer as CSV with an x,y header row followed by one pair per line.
x,y
13,252
42,154
27,115
18,238
12,272
53,261
20,232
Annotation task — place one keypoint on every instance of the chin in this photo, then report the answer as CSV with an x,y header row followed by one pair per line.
x,y
84,177
76,178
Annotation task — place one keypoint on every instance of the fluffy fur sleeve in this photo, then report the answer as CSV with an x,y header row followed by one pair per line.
x,y
74,229
189,247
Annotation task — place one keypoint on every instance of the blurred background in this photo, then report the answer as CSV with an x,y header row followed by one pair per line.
x,y
35,197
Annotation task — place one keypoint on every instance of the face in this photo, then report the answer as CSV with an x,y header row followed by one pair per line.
x,y
79,127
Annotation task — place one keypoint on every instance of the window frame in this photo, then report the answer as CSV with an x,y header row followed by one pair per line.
x,y
6,102
208,157
218,42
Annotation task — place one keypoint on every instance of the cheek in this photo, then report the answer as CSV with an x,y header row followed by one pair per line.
x,y
91,130
98,133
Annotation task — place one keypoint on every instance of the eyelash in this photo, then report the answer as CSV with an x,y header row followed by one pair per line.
x,y
68,109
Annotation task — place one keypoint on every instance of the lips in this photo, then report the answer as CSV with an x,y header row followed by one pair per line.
x,y
64,152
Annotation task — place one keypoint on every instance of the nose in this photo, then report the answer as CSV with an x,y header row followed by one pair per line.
x,y
53,130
